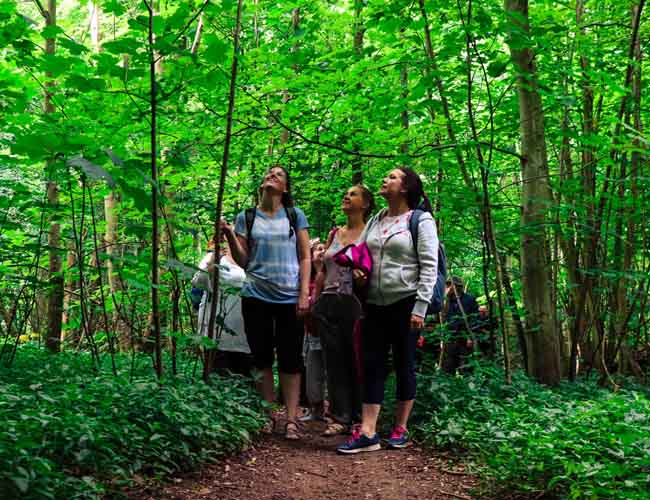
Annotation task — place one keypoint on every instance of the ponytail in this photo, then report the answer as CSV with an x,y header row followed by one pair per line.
x,y
425,204
415,195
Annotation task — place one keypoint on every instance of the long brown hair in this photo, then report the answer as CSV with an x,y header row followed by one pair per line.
x,y
369,198
415,195
287,198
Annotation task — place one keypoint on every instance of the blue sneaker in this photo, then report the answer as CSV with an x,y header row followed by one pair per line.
x,y
399,438
359,443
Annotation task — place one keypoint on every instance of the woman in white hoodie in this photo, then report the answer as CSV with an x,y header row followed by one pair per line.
x,y
234,354
400,289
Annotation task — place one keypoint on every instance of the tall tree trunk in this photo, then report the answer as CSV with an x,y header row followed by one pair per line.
x,y
70,335
155,238
404,84
295,25
582,289
358,32
94,14
542,339
209,355
482,199
626,217
197,36
114,254
55,301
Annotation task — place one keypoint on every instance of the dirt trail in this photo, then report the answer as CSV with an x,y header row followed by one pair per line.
x,y
276,469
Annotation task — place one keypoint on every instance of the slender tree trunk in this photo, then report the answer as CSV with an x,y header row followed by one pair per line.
x,y
404,83
286,97
197,36
113,253
70,335
359,31
542,339
582,293
482,199
209,357
626,217
55,301
94,14
155,238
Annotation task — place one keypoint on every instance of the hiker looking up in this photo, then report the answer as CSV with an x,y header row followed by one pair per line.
x,y
401,286
460,319
271,242
312,347
233,353
338,310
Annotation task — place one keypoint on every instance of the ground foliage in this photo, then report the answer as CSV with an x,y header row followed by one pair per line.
x,y
573,441
70,434
311,99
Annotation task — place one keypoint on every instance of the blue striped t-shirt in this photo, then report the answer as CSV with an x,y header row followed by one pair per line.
x,y
273,272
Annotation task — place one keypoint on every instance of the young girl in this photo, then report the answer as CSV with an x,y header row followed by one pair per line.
x,y
312,349
272,243
336,312
400,289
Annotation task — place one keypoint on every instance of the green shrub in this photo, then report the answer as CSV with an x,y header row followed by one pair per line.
x,y
70,433
574,441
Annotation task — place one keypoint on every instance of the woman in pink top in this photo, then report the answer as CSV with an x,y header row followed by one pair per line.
x,y
336,312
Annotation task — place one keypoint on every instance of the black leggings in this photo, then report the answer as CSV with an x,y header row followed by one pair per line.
x,y
386,328
273,327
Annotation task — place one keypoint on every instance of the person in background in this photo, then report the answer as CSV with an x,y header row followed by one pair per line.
x,y
401,286
233,352
336,312
486,329
312,349
461,320
271,241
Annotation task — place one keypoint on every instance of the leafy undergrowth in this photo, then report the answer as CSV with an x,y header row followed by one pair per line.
x,y
67,432
574,441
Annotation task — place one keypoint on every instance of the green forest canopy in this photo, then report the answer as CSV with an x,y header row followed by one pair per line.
x,y
526,125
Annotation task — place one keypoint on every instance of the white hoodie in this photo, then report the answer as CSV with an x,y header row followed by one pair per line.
x,y
397,270
233,338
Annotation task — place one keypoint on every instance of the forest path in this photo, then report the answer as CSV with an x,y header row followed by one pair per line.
x,y
276,469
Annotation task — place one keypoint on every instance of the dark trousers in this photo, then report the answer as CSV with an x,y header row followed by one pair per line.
x,y
335,316
385,329
456,356
270,329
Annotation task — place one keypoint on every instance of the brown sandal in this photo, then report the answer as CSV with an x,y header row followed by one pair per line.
x,y
292,431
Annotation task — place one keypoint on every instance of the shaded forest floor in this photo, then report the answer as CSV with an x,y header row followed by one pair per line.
x,y
276,469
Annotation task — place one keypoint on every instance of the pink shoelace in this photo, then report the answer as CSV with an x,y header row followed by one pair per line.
x,y
398,432
356,434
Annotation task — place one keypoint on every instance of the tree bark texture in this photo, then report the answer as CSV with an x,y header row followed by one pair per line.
x,y
209,355
542,339
55,299
155,238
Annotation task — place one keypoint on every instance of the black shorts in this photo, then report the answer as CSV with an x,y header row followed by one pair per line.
x,y
273,328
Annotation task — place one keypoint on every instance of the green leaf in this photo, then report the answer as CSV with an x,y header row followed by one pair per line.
x,y
216,49
22,483
121,46
56,65
51,31
113,7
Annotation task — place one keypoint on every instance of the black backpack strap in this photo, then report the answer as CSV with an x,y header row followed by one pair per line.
x,y
413,227
293,221
249,215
